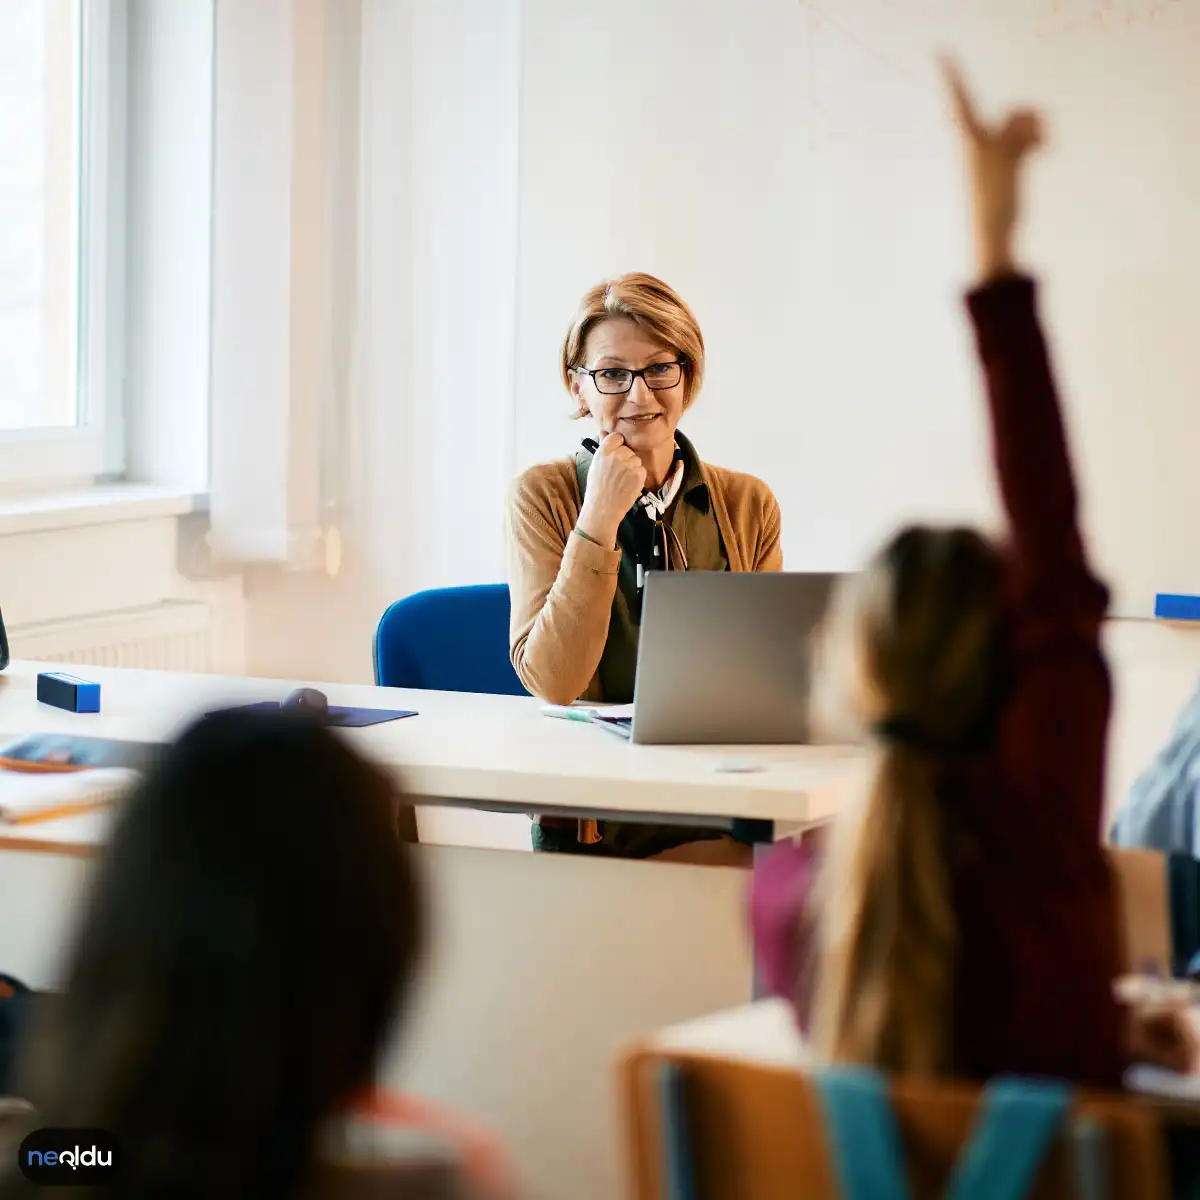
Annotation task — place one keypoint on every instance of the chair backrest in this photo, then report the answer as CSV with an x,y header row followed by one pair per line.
x,y
1143,904
449,640
754,1131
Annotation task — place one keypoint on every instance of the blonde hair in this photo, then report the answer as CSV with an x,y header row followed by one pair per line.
x,y
657,308
918,639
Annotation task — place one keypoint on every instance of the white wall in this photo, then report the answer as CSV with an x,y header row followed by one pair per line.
x,y
640,151
791,168
89,570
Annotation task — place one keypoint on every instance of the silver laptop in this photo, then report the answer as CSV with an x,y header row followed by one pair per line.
x,y
723,658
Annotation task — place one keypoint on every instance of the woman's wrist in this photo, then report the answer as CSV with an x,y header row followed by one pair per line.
x,y
994,258
593,528
605,543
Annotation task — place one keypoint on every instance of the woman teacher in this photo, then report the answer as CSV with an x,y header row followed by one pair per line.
x,y
584,531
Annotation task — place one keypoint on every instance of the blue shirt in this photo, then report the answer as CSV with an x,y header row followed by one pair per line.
x,y
1159,812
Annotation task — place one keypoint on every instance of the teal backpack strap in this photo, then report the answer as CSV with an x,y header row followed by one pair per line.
x,y
1017,1123
863,1133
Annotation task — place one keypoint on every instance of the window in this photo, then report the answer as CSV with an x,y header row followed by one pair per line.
x,y
58,331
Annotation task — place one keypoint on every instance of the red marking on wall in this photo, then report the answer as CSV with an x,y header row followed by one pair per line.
x,y
1105,16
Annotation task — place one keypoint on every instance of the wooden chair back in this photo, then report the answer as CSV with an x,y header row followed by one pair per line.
x,y
757,1132
1143,906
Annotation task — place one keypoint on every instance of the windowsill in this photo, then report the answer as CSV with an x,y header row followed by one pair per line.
x,y
37,512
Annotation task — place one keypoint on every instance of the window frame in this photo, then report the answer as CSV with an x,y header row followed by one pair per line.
x,y
93,448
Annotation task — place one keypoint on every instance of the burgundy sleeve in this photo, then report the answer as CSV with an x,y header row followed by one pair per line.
x,y
1054,723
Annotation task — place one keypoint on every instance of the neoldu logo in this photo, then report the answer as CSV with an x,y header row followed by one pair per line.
x,y
74,1157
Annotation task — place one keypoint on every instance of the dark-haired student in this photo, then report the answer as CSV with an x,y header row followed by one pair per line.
x,y
963,922
254,930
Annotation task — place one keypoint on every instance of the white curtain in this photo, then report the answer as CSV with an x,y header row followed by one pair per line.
x,y
364,285
438,320
276,83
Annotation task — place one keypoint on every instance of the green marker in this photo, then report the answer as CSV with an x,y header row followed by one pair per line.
x,y
567,712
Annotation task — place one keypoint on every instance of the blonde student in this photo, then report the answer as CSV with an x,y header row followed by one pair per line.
x,y
964,921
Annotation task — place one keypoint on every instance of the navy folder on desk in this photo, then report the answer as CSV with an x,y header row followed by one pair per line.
x,y
70,751
345,718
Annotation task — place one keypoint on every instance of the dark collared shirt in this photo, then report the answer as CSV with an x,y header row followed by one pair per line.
x,y
691,520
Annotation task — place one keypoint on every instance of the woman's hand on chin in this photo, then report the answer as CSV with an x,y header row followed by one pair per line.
x,y
615,481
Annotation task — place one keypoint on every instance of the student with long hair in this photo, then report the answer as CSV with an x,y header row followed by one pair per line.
x,y
254,931
963,921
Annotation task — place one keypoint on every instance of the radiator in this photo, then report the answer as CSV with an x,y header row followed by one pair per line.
x,y
175,635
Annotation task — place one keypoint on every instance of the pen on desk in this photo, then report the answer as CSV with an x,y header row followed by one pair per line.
x,y
52,814
39,766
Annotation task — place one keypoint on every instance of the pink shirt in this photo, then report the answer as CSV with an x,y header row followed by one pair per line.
x,y
484,1162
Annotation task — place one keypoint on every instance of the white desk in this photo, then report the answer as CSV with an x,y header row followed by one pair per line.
x,y
762,1032
492,751
543,965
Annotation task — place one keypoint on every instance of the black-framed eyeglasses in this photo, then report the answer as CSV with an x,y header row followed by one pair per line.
x,y
613,381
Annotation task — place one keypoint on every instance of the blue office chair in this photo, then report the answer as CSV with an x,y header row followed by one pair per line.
x,y
448,640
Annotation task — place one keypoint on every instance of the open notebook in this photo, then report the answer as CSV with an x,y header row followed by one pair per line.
x,y
47,775
25,796
616,718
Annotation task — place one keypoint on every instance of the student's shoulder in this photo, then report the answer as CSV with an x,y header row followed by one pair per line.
x,y
407,1130
740,491
545,488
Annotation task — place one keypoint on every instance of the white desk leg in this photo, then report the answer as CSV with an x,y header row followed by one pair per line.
x,y
445,825
39,907
543,967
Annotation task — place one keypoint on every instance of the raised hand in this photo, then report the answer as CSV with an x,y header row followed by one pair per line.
x,y
1164,1037
615,481
995,154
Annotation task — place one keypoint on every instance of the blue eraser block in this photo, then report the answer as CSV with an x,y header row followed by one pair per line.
x,y
69,692
1176,608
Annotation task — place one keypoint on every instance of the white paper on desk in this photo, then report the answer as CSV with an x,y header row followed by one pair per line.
x,y
1158,1081
612,712
616,718
26,794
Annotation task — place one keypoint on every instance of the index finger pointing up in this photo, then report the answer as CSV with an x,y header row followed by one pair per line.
x,y
964,107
